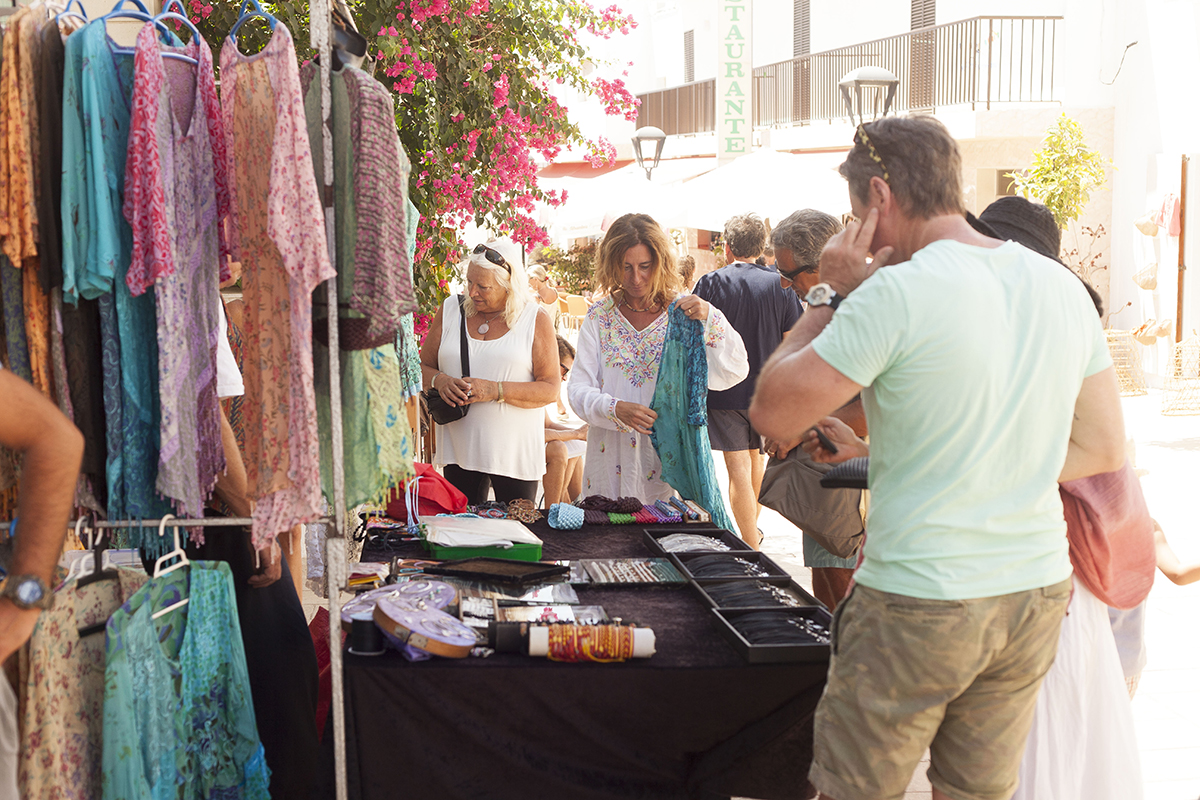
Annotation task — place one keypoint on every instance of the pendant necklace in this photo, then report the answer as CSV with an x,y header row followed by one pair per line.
x,y
483,329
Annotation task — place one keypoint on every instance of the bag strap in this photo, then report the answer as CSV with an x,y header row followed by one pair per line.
x,y
462,340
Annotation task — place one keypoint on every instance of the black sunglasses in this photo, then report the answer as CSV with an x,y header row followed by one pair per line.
x,y
492,256
790,277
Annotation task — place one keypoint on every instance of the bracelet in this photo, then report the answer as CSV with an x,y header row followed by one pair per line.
x,y
499,392
433,381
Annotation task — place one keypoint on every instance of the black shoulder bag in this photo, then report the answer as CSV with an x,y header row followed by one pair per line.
x,y
440,411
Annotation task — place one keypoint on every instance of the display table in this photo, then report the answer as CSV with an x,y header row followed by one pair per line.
x,y
693,721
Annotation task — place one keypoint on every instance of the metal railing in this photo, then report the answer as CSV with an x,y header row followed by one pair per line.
x,y
973,62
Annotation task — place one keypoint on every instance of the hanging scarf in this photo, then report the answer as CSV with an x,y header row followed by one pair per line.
x,y
680,433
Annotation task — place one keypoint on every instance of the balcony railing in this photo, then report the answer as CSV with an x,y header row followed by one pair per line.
x,y
973,62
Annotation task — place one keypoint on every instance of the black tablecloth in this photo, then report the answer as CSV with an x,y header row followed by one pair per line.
x,y
693,721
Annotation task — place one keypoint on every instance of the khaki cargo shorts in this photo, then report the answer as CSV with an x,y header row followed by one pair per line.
x,y
959,677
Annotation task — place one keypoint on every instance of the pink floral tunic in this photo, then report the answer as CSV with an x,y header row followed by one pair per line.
x,y
278,234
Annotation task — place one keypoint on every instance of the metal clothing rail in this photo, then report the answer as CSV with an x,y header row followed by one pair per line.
x,y
207,522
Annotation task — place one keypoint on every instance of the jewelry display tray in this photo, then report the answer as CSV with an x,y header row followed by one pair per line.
x,y
666,573
773,570
788,585
652,535
774,653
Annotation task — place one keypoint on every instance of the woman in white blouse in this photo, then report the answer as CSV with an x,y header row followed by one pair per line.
x,y
500,444
620,347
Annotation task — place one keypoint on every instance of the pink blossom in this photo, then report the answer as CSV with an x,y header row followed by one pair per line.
x,y
500,95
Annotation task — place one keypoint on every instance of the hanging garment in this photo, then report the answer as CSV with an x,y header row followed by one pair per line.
x,y
175,201
114,430
1168,215
61,677
178,716
48,89
375,182
680,433
85,382
617,362
18,113
12,294
376,444
407,346
278,235
97,245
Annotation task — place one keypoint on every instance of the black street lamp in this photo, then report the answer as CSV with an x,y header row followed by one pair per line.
x,y
879,79
642,139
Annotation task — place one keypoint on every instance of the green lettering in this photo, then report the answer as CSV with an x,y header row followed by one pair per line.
x,y
734,123
734,33
735,10
733,145
730,67
729,51
735,107
735,89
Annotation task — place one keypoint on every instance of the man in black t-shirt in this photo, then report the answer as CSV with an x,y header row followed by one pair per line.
x,y
762,312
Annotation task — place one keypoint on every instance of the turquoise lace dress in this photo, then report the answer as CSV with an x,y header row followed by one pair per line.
x,y
680,434
178,718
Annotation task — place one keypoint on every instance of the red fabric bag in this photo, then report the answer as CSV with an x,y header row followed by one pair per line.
x,y
1111,536
435,495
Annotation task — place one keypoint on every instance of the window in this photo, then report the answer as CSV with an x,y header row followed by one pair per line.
x,y
689,56
801,28
924,14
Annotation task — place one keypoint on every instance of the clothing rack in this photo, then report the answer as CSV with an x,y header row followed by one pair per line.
x,y
335,544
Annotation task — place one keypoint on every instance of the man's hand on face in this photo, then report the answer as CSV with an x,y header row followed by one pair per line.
x,y
844,264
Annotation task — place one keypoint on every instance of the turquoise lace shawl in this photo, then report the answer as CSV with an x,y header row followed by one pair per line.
x,y
680,434
178,717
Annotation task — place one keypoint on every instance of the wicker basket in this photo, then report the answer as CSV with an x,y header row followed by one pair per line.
x,y
1181,393
1128,362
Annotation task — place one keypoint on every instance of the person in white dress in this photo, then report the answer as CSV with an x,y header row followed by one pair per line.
x,y
500,444
619,351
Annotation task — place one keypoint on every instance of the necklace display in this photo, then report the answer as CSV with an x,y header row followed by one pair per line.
x,y
486,326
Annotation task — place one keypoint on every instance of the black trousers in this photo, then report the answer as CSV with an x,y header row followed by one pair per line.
x,y
475,485
281,661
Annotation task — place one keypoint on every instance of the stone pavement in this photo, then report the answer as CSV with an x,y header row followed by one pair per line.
x,y
1167,706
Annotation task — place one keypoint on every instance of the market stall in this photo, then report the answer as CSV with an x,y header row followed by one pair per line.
x,y
694,720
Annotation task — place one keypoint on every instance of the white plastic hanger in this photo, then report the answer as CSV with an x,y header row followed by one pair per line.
x,y
160,570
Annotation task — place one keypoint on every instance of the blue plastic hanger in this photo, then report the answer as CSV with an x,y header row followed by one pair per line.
x,y
249,10
196,37
118,11
67,12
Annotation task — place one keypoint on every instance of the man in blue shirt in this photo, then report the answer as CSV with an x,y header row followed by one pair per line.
x,y
762,312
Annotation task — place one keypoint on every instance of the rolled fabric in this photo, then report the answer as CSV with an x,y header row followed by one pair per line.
x,y
565,517
620,519
593,517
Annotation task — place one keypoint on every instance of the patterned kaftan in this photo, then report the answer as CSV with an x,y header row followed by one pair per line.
x,y
175,201
278,234
178,717
616,362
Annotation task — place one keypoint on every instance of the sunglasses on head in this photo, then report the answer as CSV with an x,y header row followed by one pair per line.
x,y
493,256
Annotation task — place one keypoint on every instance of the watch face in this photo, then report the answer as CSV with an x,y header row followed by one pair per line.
x,y
818,295
29,592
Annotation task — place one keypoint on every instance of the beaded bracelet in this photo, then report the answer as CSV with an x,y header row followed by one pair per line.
x,y
604,644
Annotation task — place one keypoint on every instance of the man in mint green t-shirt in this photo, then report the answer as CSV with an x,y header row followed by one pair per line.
x,y
986,380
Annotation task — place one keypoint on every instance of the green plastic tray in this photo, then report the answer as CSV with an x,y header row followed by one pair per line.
x,y
520,551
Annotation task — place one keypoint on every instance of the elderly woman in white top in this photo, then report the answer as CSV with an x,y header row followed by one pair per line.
x,y
500,444
619,352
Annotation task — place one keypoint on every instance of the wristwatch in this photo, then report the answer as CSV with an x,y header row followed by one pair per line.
x,y
26,592
823,295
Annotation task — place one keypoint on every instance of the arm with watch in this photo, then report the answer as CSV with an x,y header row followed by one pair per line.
x,y
796,387
51,449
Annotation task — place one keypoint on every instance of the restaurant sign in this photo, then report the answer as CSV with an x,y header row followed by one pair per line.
x,y
735,80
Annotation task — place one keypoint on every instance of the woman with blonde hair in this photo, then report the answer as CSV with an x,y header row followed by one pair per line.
x,y
500,444
619,352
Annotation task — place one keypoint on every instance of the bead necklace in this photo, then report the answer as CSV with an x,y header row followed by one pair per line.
x,y
486,326
654,308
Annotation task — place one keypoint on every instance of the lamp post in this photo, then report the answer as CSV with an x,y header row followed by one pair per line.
x,y
642,139
877,78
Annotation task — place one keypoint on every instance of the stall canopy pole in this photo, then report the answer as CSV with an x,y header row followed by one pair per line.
x,y
1182,242
335,544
